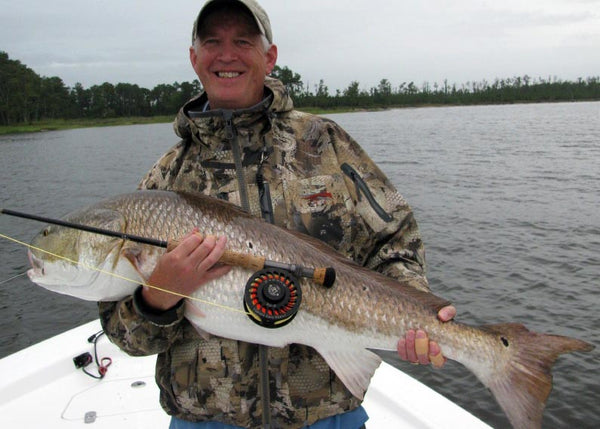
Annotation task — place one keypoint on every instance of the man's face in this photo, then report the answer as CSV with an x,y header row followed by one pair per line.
x,y
230,60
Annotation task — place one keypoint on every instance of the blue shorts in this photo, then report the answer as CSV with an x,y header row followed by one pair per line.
x,y
354,419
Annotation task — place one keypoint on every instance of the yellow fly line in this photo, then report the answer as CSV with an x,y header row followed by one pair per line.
x,y
100,270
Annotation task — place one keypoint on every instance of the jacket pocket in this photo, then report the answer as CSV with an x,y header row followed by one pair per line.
x,y
322,208
362,190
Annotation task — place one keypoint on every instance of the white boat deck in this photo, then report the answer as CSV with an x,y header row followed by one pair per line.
x,y
41,388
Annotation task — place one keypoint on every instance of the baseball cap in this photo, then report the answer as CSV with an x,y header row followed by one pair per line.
x,y
259,14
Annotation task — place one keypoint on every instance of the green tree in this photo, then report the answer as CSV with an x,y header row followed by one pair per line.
x,y
352,91
54,99
291,80
163,98
131,100
384,88
321,90
104,101
19,91
82,100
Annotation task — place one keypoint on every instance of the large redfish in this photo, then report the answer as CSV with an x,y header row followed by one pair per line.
x,y
363,310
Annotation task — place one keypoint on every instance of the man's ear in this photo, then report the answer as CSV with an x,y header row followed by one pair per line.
x,y
271,58
193,57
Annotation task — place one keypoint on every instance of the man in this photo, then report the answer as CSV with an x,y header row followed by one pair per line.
x,y
243,142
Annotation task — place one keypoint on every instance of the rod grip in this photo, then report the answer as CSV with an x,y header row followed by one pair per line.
x,y
229,257
243,260
324,276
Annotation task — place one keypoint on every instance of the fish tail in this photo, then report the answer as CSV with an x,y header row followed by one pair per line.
x,y
522,385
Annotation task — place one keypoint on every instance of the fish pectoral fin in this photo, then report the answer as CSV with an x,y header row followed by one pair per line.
x,y
134,255
354,367
192,312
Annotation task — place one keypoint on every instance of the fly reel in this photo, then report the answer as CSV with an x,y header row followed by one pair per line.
x,y
272,297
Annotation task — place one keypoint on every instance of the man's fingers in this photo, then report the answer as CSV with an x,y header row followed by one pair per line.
x,y
447,313
217,271
209,253
188,243
402,349
410,347
422,347
435,355
201,251
415,347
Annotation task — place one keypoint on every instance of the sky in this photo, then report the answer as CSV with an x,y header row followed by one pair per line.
x,y
146,42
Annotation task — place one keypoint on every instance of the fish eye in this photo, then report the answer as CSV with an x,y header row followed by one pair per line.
x,y
46,232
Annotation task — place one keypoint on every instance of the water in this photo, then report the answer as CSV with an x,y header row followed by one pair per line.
x,y
506,198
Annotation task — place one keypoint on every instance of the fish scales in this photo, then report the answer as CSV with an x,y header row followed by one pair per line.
x,y
168,221
363,310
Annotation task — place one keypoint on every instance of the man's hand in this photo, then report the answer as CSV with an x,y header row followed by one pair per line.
x,y
417,348
184,269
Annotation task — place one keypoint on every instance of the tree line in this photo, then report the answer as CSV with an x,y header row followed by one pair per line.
x,y
26,97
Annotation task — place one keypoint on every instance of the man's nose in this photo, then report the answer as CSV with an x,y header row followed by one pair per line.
x,y
228,52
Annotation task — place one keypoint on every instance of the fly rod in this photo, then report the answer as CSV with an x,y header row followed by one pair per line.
x,y
87,228
324,276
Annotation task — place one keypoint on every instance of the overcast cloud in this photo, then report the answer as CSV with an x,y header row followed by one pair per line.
x,y
146,42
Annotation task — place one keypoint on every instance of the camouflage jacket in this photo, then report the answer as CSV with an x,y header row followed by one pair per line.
x,y
321,183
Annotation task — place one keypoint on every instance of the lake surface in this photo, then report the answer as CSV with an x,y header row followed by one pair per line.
x,y
507,199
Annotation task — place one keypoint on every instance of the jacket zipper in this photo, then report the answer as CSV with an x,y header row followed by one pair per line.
x,y
266,208
232,136
362,188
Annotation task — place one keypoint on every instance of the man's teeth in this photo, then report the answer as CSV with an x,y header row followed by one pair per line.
x,y
228,74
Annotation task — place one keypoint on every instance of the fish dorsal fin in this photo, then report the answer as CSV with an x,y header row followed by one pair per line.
x,y
355,367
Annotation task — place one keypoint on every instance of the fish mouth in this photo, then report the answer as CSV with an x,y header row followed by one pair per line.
x,y
59,275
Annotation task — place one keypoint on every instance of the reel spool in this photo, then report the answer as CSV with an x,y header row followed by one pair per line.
x,y
272,297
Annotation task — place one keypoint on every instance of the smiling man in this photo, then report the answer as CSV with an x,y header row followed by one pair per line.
x,y
242,141
231,57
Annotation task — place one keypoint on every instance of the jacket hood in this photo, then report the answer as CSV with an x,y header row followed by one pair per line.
x,y
277,101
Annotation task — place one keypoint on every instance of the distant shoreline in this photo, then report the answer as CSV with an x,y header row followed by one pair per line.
x,y
68,124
